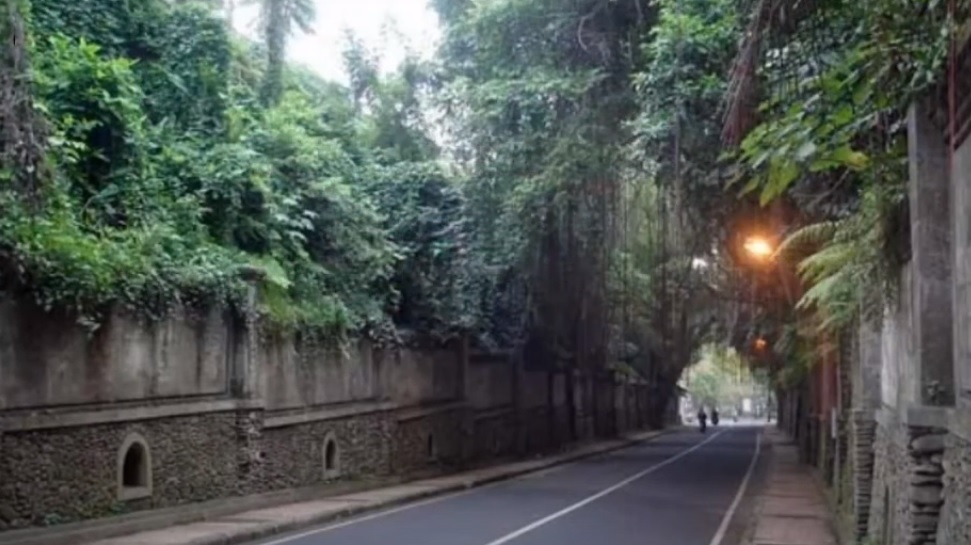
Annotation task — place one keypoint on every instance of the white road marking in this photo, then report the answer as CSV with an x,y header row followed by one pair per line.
x,y
378,514
408,506
590,499
723,529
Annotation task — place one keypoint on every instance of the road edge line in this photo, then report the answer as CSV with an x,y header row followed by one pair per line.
x,y
605,492
414,500
727,519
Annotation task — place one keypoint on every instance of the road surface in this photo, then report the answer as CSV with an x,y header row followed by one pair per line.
x,y
680,489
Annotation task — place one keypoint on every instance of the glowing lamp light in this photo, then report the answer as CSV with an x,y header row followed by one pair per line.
x,y
760,344
758,246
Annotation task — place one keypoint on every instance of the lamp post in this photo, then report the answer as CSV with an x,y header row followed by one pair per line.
x,y
762,250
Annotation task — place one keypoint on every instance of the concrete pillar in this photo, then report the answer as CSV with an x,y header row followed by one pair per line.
x,y
246,384
516,372
929,193
918,352
467,450
961,271
866,386
245,370
462,360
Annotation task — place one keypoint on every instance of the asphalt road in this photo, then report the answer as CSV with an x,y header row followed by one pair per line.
x,y
675,490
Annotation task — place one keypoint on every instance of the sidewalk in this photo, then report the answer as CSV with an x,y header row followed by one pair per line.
x,y
251,524
790,509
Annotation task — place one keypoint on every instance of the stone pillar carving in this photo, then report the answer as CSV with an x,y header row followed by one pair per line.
x,y
926,450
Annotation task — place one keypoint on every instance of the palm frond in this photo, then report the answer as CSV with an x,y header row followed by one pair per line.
x,y
827,262
828,293
303,14
807,239
833,300
299,13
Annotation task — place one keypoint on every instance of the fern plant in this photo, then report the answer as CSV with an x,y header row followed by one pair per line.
x,y
848,264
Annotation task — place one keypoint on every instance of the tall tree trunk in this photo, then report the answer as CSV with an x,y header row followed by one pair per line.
x,y
22,131
276,45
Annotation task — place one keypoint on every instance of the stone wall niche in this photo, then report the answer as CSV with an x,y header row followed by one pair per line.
x,y
134,469
331,458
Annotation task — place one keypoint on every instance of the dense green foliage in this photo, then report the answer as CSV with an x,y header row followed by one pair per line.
x,y
834,81
170,177
564,216
563,113
566,204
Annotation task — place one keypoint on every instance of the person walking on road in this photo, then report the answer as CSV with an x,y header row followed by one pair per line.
x,y
702,419
714,416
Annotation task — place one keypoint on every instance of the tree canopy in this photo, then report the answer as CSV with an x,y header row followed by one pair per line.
x,y
816,124
553,182
546,183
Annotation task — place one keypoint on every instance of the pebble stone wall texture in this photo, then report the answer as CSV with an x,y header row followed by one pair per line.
x,y
955,523
909,466
68,474
885,507
431,440
926,454
250,457
294,455
53,476
495,435
861,459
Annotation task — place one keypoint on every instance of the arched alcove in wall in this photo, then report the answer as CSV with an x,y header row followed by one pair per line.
x,y
134,468
331,457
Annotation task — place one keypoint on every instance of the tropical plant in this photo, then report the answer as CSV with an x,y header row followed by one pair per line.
x,y
566,206
278,21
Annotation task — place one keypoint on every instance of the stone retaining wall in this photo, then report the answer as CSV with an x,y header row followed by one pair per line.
x,y
59,475
955,516
863,431
52,475
926,453
435,439
494,435
538,436
909,467
144,415
885,509
295,455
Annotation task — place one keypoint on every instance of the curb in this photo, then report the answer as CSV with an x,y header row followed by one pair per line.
x,y
270,529
747,536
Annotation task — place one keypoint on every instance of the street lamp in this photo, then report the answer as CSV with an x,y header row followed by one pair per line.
x,y
758,247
